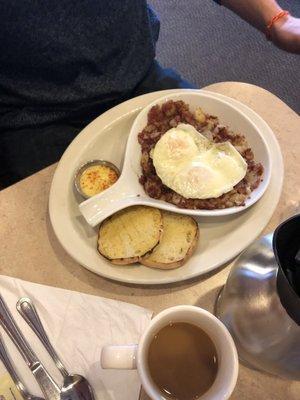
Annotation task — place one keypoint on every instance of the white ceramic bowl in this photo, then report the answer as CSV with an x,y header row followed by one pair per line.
x,y
128,191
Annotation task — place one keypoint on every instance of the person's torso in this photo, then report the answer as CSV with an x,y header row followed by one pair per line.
x,y
62,54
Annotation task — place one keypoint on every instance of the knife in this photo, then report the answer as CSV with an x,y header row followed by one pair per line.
x,y
11,370
49,388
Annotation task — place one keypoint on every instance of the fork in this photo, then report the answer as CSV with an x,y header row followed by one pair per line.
x,y
10,369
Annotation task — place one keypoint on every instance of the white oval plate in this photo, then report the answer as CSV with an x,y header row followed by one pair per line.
x,y
221,238
127,191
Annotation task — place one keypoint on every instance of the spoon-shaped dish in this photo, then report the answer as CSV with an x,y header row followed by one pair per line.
x,y
127,191
75,387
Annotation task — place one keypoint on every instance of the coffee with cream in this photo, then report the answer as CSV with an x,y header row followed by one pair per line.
x,y
182,361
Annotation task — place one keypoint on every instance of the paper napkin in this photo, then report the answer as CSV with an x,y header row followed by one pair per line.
x,y
78,326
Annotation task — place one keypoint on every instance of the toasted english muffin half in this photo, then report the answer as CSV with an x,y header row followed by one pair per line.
x,y
130,234
178,242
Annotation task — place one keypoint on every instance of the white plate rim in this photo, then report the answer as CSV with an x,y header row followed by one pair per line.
x,y
127,108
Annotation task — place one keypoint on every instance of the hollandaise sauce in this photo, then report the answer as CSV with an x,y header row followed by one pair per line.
x,y
97,178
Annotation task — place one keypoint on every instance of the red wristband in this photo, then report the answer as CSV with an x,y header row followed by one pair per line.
x,y
282,13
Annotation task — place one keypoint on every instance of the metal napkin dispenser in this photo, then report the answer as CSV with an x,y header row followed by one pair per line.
x,y
260,302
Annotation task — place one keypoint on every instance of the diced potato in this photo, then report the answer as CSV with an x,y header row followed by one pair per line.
x,y
200,116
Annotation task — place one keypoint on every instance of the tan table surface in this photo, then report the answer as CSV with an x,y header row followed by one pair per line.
x,y
30,251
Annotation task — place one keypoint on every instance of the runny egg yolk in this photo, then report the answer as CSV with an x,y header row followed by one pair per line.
x,y
191,165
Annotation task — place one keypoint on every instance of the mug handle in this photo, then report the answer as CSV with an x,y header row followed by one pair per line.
x,y
119,357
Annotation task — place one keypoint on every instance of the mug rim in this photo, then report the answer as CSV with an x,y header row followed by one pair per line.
x,y
222,330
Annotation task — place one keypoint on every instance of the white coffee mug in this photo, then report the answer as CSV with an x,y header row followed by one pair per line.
x,y
135,356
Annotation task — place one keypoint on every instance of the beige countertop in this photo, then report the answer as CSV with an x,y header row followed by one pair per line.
x,y
30,251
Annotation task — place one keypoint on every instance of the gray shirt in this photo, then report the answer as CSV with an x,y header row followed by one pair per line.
x,y
61,59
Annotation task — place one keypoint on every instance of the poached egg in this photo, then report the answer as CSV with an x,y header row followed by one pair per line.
x,y
194,167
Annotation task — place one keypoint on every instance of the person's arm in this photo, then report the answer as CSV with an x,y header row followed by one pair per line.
x,y
285,33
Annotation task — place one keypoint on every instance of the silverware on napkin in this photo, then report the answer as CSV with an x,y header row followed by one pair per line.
x,y
49,388
10,369
75,386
